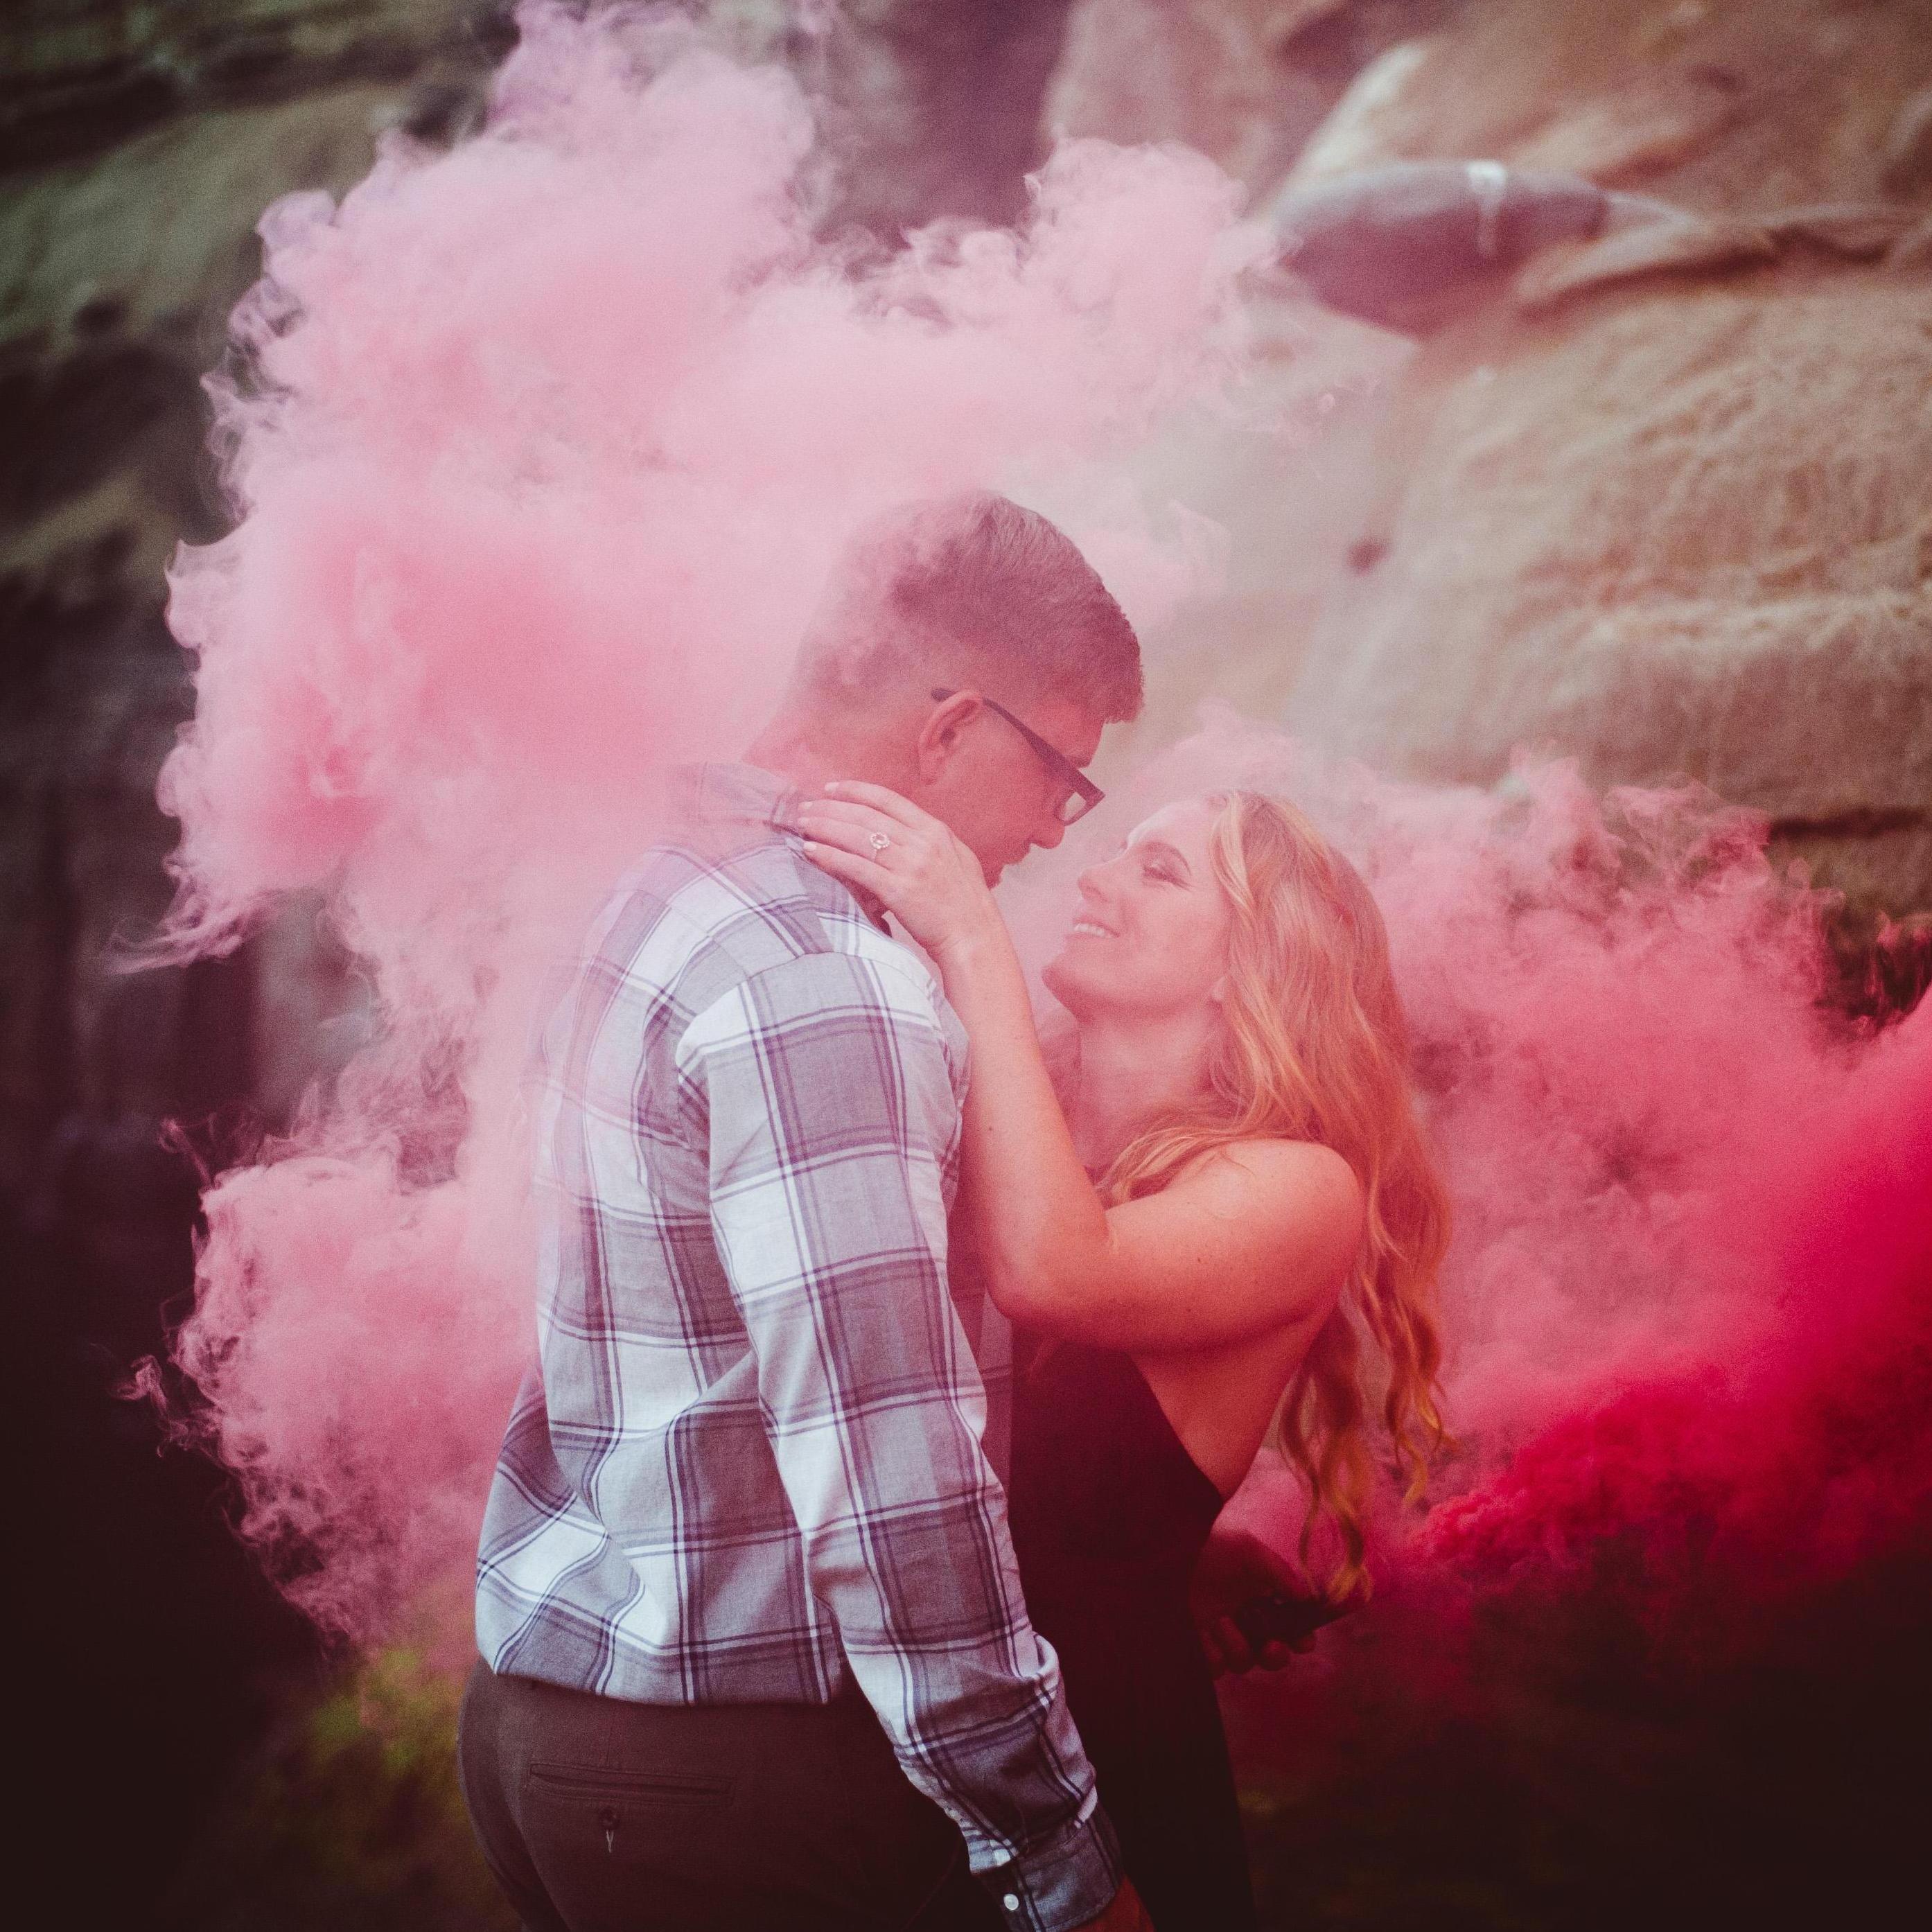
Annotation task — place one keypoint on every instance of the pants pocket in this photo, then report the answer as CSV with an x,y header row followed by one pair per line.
x,y
621,1850
648,1810
688,1788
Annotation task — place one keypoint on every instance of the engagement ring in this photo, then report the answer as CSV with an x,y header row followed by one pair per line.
x,y
879,842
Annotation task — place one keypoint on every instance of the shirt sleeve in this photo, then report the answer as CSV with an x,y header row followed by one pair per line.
x,y
831,1105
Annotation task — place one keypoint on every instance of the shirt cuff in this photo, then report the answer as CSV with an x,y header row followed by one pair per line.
x,y
1068,1881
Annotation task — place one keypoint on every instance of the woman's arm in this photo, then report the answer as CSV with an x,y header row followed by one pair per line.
x,y
1248,1238
1243,1241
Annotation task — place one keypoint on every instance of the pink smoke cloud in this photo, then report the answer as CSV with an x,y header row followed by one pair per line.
x,y
545,445
540,449
1780,1458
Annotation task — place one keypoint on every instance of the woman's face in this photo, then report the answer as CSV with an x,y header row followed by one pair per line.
x,y
1150,936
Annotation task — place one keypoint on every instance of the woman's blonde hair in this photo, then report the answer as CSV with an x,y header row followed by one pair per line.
x,y
1314,1048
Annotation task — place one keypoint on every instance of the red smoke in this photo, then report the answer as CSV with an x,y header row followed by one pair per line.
x,y
1802,1450
1688,1307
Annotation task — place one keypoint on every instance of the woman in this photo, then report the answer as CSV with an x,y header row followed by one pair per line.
x,y
1226,1196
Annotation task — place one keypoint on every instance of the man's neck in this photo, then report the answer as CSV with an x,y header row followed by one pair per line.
x,y
1130,1072
800,750
801,764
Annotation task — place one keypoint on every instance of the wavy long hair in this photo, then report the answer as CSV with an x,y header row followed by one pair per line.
x,y
1314,1047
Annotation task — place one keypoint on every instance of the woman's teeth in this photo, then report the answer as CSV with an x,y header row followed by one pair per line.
x,y
1087,926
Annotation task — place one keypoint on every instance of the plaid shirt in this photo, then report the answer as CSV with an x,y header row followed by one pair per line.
x,y
753,1454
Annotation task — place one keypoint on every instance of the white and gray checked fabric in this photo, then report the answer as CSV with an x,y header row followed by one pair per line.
x,y
754,1454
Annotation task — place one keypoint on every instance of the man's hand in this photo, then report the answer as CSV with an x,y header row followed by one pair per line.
x,y
1126,1913
1236,1566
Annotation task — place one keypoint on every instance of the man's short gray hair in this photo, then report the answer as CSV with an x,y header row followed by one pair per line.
x,y
974,589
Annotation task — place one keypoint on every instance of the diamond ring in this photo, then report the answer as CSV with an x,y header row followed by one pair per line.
x,y
878,842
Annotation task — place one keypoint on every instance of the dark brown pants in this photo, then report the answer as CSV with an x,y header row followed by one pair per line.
x,y
597,1815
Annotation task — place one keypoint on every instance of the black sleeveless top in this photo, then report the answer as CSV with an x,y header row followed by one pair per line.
x,y
1108,1514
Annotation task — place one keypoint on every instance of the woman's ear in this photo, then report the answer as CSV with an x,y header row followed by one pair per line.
x,y
1220,991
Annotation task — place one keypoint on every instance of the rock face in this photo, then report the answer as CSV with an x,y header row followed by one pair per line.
x,y
1659,496
937,102
1715,105
137,148
1665,500
1679,530
138,145
1247,82
1662,503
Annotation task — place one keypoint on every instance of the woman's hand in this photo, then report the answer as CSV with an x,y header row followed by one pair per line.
x,y
927,878
1235,1567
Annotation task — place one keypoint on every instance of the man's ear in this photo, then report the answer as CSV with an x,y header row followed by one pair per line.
x,y
942,735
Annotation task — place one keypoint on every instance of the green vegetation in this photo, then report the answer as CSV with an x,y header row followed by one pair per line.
x,y
350,1815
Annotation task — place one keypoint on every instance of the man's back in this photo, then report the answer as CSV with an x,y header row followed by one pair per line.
x,y
639,1542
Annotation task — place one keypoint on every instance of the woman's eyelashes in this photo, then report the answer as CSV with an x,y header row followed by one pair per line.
x,y
1158,864
1163,865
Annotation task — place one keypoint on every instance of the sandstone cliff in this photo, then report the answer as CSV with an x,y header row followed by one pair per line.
x,y
1658,497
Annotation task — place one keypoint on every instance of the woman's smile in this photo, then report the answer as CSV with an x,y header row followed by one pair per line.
x,y
1148,933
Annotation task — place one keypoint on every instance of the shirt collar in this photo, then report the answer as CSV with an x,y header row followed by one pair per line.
x,y
740,794
749,795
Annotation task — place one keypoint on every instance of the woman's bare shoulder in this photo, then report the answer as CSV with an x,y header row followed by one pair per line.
x,y
1277,1180
1269,1161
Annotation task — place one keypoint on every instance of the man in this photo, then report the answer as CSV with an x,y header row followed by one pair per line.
x,y
755,1653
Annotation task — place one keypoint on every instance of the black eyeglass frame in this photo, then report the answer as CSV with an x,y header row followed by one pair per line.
x,y
1082,793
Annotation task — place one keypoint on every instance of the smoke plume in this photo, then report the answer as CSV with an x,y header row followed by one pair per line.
x,y
1688,1304
539,449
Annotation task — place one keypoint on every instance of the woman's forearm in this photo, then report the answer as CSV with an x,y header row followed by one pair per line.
x,y
1041,1230
1043,1234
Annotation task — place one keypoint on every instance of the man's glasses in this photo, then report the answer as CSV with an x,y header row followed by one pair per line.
x,y
1081,793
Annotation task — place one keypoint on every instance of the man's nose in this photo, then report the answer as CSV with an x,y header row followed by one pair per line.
x,y
1053,830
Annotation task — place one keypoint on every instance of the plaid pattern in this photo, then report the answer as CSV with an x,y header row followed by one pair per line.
x,y
754,1455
